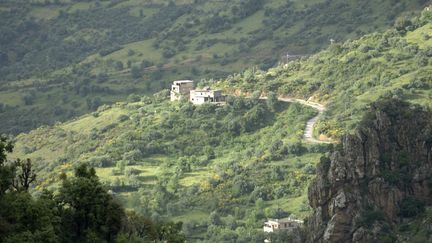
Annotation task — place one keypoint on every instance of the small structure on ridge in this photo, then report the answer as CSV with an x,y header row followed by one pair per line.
x,y
290,224
180,89
184,89
206,95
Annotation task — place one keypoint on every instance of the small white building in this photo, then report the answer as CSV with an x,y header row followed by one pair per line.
x,y
180,89
290,224
206,95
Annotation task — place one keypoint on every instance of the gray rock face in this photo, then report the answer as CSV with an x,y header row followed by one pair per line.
x,y
388,159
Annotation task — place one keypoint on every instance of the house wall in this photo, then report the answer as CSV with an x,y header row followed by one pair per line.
x,y
186,88
198,100
199,97
180,90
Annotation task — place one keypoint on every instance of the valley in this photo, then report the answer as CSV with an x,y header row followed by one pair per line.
x,y
338,137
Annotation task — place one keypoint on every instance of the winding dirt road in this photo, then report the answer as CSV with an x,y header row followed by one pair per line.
x,y
308,132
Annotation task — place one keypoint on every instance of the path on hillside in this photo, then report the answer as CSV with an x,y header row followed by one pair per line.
x,y
308,132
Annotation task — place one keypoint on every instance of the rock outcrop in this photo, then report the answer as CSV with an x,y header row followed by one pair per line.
x,y
380,175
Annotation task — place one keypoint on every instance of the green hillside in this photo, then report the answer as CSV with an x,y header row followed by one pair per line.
x,y
349,76
241,162
63,58
223,169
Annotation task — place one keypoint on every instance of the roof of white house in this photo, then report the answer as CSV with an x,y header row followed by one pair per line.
x,y
285,220
182,82
206,89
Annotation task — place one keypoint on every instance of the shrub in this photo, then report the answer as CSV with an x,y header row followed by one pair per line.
x,y
411,207
369,216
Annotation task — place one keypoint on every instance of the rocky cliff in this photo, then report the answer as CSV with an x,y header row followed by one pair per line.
x,y
380,176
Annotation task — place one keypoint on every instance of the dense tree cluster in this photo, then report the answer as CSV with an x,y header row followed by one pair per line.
x,y
82,211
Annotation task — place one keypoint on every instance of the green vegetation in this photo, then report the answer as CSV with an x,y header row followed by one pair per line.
x,y
82,211
411,207
238,163
349,76
415,229
369,217
60,59
221,170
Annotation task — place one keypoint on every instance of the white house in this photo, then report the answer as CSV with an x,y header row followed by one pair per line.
x,y
290,224
181,88
206,95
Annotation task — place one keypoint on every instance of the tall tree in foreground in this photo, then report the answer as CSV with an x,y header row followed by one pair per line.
x,y
83,211
22,218
88,212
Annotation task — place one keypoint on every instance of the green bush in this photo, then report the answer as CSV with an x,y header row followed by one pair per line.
x,y
411,207
369,217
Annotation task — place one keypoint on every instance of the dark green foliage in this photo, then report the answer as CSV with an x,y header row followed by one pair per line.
x,y
276,213
272,101
411,207
369,217
136,72
170,232
7,171
214,219
22,217
6,146
25,175
391,177
402,23
280,236
83,211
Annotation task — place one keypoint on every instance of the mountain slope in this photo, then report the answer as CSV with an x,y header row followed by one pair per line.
x,y
223,170
243,161
80,54
349,76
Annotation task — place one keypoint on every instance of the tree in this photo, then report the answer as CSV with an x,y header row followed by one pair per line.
x,y
411,207
168,52
272,101
170,232
215,219
6,171
87,210
402,23
137,226
119,65
25,177
22,218
136,72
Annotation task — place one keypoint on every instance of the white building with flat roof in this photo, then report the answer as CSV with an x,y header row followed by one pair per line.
x,y
290,224
180,89
206,95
